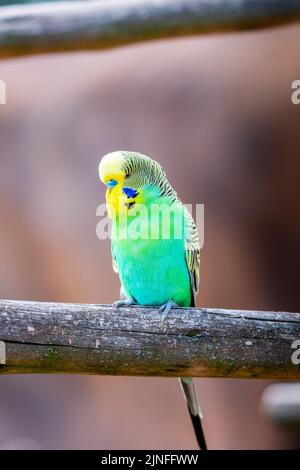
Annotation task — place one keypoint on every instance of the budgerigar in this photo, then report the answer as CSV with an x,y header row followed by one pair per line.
x,y
156,266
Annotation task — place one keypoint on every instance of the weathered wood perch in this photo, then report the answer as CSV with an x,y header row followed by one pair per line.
x,y
86,25
98,339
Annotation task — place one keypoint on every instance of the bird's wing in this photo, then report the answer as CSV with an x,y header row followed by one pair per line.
x,y
123,293
114,260
192,254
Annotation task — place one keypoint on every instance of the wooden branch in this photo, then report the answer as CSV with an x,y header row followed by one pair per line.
x,y
98,339
86,25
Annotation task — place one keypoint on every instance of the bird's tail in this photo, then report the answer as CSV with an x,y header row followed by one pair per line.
x,y
194,410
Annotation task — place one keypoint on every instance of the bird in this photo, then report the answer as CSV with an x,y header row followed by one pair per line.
x,y
154,245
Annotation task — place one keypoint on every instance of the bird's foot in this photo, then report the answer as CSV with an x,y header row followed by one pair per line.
x,y
124,302
165,309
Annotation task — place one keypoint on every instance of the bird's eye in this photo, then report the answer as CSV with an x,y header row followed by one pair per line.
x,y
111,183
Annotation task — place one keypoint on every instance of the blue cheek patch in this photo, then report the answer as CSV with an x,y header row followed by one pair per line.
x,y
130,193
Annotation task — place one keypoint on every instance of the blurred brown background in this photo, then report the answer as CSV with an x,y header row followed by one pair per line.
x,y
217,113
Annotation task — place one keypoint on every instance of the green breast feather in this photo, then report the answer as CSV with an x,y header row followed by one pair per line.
x,y
162,261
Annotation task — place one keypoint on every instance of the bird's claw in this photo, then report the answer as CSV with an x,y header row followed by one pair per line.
x,y
124,303
165,309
